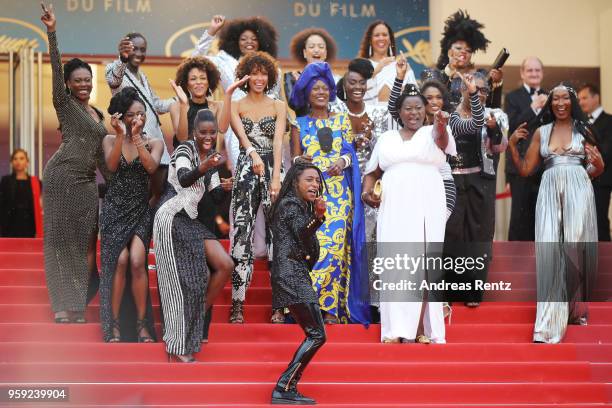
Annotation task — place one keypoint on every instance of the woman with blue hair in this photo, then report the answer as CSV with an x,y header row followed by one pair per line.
x,y
326,139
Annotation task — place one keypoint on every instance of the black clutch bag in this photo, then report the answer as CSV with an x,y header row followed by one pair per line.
x,y
501,59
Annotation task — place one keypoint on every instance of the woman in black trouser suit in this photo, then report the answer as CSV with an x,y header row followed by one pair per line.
x,y
295,217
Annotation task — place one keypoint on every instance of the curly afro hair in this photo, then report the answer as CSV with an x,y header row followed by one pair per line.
x,y
298,44
201,63
255,61
121,101
263,29
460,27
361,66
365,46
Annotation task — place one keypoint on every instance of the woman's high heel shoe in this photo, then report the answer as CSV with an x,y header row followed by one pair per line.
x,y
116,332
181,358
236,315
140,326
62,317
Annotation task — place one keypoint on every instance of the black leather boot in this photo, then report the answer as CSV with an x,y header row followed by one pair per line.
x,y
290,397
308,316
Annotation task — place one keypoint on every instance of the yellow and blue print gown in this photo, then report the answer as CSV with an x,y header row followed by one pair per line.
x,y
331,274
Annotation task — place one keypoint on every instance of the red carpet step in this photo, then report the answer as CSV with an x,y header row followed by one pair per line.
x,y
489,360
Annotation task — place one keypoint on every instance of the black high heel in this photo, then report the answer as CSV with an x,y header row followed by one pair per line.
x,y
140,325
207,320
116,337
181,358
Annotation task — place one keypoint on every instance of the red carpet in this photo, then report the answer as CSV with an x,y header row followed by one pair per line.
x,y
489,361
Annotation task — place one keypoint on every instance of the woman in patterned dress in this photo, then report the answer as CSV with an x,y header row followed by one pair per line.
x,y
326,139
259,122
70,197
132,157
185,248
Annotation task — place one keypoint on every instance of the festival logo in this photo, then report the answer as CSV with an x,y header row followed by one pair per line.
x,y
183,42
17,34
415,44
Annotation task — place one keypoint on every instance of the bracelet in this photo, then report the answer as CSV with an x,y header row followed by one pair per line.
x,y
362,195
249,150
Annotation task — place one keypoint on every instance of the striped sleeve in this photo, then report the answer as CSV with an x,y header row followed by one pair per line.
x,y
393,97
449,188
461,126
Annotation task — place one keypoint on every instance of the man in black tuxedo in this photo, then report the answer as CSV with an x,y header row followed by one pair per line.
x,y
589,99
522,105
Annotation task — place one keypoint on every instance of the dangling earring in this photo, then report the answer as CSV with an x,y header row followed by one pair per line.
x,y
390,52
190,96
209,92
68,91
370,51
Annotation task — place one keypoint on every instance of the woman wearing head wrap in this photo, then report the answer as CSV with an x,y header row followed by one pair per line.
x,y
460,39
566,224
326,139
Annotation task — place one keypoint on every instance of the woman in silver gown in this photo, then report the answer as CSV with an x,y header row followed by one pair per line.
x,y
566,229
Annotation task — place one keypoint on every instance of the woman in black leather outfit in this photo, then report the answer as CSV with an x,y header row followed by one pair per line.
x,y
295,217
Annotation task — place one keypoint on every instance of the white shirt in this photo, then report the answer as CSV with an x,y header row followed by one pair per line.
x,y
595,114
535,94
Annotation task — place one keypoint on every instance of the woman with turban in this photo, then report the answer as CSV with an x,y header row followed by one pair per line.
x,y
326,139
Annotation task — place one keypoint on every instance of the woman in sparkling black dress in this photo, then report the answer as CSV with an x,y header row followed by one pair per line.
x,y
125,223
70,197
295,218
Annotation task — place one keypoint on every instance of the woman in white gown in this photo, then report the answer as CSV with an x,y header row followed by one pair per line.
x,y
412,208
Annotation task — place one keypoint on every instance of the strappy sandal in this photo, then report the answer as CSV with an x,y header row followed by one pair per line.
x,y
277,316
391,340
422,339
140,326
78,317
116,329
236,315
62,319
330,319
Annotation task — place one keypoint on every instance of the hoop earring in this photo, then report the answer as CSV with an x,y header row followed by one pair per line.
x,y
390,51
190,96
369,51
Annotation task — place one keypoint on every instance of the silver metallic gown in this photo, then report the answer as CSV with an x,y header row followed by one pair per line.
x,y
566,239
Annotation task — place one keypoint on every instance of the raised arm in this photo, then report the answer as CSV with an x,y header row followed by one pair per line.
x,y
225,114
179,115
112,144
60,98
204,44
526,165
116,69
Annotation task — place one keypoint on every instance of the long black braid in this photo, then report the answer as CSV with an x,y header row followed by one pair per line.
x,y
289,186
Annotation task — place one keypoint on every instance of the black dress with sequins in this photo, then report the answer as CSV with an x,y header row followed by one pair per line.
x,y
125,214
296,250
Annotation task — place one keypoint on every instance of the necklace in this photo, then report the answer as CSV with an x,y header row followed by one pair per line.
x,y
357,115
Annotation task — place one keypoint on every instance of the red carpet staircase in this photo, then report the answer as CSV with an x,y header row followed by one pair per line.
x,y
489,359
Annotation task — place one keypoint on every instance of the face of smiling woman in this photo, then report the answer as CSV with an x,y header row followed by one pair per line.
x,y
319,95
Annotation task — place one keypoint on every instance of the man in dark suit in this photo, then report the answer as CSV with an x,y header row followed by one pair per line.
x,y
522,105
589,99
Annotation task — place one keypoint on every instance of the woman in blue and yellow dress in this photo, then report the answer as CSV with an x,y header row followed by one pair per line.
x,y
325,139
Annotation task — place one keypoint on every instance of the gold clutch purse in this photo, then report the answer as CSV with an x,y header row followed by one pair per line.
x,y
377,190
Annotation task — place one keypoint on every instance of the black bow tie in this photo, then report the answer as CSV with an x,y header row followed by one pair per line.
x,y
532,91
590,117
